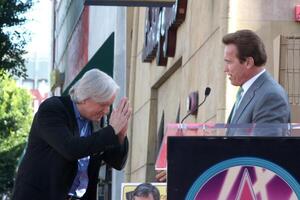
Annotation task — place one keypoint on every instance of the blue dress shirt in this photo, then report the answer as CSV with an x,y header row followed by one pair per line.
x,y
81,180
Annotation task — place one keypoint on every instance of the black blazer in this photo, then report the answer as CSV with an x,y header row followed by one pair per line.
x,y
49,165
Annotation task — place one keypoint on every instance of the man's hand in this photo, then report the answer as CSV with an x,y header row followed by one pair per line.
x,y
161,176
119,118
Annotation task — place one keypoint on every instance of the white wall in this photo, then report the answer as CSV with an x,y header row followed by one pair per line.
x,y
103,21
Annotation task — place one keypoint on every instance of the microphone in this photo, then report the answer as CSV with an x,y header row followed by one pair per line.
x,y
206,93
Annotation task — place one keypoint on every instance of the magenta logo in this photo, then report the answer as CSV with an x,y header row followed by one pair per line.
x,y
245,178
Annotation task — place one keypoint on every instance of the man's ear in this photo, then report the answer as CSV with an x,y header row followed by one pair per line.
x,y
249,62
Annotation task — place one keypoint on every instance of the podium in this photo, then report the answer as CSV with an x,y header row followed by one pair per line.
x,y
203,163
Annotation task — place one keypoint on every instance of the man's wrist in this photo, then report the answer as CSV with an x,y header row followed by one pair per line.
x,y
114,130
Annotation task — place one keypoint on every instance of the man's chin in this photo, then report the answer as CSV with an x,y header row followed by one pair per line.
x,y
234,83
96,119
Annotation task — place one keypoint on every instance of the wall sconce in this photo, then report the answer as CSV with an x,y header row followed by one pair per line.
x,y
192,103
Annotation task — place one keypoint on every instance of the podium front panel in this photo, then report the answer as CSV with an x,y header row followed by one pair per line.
x,y
226,168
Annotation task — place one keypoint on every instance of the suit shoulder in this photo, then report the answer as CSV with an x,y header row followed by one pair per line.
x,y
271,86
51,103
272,91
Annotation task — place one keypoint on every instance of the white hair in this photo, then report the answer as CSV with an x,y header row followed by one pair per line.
x,y
94,84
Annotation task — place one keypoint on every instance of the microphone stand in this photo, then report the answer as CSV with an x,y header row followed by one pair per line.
x,y
194,109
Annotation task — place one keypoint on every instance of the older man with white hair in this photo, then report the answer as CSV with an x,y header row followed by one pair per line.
x,y
64,154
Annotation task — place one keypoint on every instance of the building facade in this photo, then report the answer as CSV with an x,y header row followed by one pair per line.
x,y
164,73
162,55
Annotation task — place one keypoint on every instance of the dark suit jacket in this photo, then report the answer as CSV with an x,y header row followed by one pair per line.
x,y
49,165
265,102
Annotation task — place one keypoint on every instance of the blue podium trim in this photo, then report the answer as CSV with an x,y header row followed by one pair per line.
x,y
242,161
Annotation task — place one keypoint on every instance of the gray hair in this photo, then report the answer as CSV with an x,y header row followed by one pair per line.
x,y
94,84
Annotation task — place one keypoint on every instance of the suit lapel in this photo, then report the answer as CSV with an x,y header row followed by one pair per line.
x,y
230,115
248,97
66,100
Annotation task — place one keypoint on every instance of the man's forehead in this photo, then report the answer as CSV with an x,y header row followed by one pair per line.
x,y
231,48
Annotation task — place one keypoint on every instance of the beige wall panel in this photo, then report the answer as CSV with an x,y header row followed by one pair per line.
x,y
142,84
139,138
205,69
139,175
195,79
201,21
265,10
216,79
156,72
152,138
169,95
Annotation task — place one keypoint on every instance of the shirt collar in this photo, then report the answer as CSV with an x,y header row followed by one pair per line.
x,y
77,113
248,83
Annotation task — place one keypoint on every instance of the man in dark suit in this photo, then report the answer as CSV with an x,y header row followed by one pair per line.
x,y
260,99
64,154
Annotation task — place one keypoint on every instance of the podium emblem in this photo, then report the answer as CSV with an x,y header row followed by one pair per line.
x,y
245,178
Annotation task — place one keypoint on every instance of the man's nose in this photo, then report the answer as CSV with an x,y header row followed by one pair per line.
x,y
225,68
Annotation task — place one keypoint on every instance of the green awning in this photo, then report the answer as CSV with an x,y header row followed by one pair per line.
x,y
103,60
